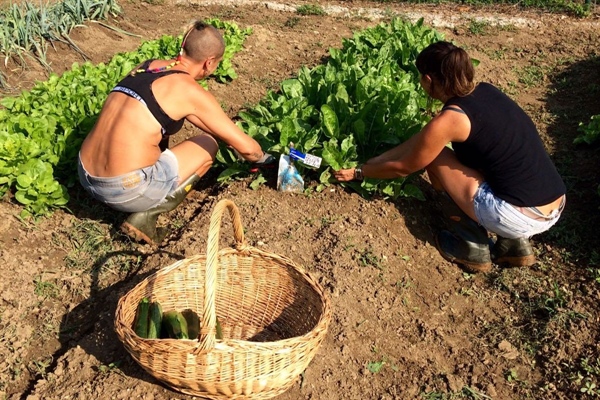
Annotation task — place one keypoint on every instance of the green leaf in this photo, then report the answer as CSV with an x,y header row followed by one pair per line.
x,y
257,182
330,121
228,174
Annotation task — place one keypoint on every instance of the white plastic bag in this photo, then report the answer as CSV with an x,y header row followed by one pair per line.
x,y
288,177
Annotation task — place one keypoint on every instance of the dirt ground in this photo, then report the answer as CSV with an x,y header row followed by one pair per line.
x,y
406,324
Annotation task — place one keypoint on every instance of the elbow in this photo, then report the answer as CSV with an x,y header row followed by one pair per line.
x,y
252,154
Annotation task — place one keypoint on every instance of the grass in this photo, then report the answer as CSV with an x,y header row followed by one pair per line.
x,y
478,27
310,9
578,8
44,288
531,76
466,392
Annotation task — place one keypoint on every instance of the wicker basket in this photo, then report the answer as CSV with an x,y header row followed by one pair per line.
x,y
273,315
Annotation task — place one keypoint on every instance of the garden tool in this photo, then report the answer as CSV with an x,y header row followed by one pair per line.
x,y
464,242
514,252
141,226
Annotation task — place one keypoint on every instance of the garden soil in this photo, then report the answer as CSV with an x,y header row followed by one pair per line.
x,y
406,324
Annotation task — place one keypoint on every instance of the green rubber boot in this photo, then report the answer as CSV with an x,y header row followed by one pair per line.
x,y
141,226
465,242
514,252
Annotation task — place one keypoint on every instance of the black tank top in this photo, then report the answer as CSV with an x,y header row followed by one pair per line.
x,y
139,86
505,146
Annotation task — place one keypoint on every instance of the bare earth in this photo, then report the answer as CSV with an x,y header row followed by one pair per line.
x,y
437,332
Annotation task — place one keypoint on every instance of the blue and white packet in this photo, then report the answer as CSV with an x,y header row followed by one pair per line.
x,y
307,159
288,177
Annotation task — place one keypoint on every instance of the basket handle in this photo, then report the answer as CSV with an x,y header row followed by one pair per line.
x,y
209,318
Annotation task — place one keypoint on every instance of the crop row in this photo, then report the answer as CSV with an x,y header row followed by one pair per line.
x,y
27,29
41,130
364,100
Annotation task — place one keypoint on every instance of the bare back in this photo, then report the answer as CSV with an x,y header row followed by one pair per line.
x,y
126,136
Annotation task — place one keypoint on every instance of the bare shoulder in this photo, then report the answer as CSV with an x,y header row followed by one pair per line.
x,y
452,123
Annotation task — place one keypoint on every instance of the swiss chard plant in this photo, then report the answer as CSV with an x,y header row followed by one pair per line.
x,y
363,101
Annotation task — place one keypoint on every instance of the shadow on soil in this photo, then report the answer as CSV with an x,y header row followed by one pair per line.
x,y
90,324
574,97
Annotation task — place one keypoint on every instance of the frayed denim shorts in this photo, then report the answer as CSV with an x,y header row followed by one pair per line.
x,y
502,218
136,191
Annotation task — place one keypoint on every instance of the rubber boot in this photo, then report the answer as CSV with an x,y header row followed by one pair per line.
x,y
514,252
465,242
141,226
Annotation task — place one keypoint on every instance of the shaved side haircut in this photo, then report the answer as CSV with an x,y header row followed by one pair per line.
x,y
203,41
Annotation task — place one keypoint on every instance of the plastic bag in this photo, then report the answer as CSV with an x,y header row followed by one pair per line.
x,y
288,177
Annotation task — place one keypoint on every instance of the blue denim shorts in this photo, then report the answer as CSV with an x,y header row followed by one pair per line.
x,y
502,218
136,191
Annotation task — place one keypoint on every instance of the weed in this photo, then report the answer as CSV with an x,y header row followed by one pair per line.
x,y
291,22
531,75
87,242
112,367
40,367
44,289
508,27
376,366
369,259
465,393
403,286
478,27
499,54
587,376
310,9
512,377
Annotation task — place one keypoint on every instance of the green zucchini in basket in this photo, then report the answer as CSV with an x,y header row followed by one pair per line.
x,y
154,320
193,323
174,324
140,325
219,334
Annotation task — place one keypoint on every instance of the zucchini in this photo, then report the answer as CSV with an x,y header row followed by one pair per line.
x,y
175,325
193,322
219,334
140,326
155,320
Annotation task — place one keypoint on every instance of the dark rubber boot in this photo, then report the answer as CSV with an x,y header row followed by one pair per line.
x,y
141,226
514,252
465,242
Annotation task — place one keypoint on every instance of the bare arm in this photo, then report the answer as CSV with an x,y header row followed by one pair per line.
x,y
207,114
417,152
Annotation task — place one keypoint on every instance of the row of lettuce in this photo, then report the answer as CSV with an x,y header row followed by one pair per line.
x,y
41,130
365,99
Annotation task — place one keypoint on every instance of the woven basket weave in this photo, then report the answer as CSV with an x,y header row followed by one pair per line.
x,y
273,314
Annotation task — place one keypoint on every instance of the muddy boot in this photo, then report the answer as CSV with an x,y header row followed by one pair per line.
x,y
141,226
465,242
514,252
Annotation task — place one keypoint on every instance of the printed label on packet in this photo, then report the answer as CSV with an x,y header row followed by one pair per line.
x,y
307,159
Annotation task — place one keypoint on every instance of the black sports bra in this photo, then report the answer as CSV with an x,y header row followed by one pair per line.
x,y
139,87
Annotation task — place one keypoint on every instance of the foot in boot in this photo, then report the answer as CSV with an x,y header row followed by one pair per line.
x,y
474,257
141,227
514,252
